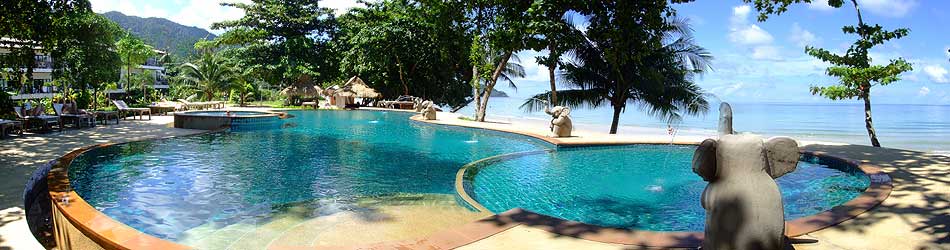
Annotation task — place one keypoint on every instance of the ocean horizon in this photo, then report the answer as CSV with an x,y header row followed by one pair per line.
x,y
920,127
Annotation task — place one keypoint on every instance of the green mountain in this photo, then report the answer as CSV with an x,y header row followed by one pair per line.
x,y
177,39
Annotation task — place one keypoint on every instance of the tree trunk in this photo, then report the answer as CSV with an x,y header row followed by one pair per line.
x,y
551,68
616,119
476,86
486,93
867,120
405,87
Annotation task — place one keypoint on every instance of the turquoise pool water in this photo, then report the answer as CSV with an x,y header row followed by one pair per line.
x,y
332,160
648,187
166,187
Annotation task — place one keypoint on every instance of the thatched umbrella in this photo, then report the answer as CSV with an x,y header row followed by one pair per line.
x,y
355,87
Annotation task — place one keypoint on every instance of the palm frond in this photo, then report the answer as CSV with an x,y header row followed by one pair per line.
x,y
571,98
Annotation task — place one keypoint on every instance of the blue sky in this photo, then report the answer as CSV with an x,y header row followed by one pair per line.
x,y
754,61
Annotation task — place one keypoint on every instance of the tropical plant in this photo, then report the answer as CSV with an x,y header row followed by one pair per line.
x,y
652,66
133,52
283,41
87,56
209,75
855,73
499,26
553,30
404,47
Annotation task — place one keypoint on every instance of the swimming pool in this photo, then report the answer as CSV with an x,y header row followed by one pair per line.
x,y
647,187
325,175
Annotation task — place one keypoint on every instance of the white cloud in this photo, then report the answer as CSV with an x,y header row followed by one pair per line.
x,y
126,7
802,37
740,14
203,13
750,35
937,73
766,53
198,13
821,5
742,32
888,8
924,91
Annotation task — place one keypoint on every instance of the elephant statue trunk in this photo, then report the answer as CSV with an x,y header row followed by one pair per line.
x,y
561,125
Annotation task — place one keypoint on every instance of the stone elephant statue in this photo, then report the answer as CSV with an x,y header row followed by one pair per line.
x,y
743,204
428,110
561,125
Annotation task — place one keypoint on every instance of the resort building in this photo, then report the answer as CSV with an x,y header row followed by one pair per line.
x,y
39,86
154,67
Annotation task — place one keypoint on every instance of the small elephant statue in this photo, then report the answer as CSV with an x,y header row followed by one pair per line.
x,y
428,110
743,204
417,104
725,119
561,125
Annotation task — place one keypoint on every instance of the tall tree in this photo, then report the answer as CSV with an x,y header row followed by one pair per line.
x,y
553,31
499,26
286,40
85,57
29,25
133,53
855,73
634,53
404,47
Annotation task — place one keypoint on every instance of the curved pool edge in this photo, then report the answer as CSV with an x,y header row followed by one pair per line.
x,y
101,231
878,190
79,225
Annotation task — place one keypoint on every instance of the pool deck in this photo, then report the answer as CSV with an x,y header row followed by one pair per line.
x,y
916,216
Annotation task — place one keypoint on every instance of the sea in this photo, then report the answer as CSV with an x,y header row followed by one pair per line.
x,y
916,127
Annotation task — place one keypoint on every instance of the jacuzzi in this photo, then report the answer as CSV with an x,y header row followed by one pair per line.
x,y
211,120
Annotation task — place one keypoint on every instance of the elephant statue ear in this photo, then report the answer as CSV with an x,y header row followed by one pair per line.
x,y
704,160
565,111
783,155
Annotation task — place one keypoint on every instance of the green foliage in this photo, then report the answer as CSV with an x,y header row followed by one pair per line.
x,y
777,7
86,57
856,75
408,48
133,52
209,76
161,33
284,41
635,53
26,25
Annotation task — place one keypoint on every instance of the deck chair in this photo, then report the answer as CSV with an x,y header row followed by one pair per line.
x,y
125,109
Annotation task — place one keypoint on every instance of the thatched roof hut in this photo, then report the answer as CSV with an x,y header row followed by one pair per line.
x,y
355,87
302,90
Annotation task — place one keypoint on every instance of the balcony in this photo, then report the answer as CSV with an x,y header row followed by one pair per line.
x,y
43,62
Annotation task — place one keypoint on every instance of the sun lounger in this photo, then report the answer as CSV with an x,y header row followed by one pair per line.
x,y
8,125
67,113
164,107
124,108
29,117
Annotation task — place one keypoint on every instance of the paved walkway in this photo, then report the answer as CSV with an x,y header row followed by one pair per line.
x,y
916,216
19,156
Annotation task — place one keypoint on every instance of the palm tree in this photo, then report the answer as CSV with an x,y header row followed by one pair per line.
x,y
209,75
661,82
512,69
